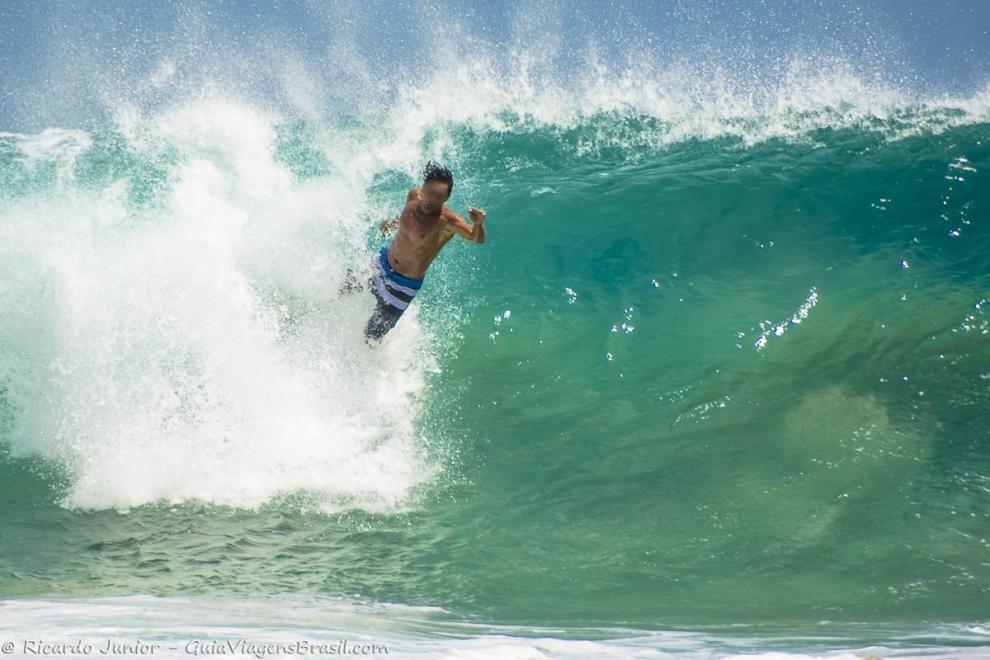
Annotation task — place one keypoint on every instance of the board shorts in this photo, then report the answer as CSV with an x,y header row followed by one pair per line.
x,y
393,292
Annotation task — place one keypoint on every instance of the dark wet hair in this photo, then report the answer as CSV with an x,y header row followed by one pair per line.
x,y
437,172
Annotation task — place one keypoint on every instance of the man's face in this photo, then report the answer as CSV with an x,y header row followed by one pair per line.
x,y
434,194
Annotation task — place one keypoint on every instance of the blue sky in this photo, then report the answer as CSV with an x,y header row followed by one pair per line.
x,y
62,63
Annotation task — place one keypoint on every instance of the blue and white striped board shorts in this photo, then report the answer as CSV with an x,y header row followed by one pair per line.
x,y
393,291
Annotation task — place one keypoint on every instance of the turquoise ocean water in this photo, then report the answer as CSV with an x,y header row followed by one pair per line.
x,y
716,383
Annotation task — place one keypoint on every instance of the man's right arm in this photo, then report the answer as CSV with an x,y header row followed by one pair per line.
x,y
387,226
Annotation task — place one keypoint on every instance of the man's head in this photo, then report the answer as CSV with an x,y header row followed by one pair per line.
x,y
438,183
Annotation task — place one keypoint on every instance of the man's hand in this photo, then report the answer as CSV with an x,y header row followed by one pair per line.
x,y
386,227
477,224
477,215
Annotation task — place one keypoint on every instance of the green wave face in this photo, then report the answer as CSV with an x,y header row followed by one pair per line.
x,y
707,367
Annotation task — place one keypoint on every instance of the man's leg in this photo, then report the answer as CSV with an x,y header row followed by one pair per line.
x,y
382,319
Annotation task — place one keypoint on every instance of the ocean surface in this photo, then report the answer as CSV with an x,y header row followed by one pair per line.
x,y
716,384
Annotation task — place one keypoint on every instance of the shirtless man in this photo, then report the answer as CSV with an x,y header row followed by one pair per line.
x,y
425,225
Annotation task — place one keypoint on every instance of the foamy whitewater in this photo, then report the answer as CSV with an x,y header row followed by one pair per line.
x,y
716,385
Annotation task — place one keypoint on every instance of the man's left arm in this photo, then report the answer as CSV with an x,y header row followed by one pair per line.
x,y
474,232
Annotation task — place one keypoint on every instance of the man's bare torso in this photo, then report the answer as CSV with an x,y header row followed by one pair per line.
x,y
419,239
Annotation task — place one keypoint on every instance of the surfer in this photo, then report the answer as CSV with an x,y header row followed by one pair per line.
x,y
398,269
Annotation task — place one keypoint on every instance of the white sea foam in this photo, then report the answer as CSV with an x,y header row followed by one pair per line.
x,y
184,624
201,351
